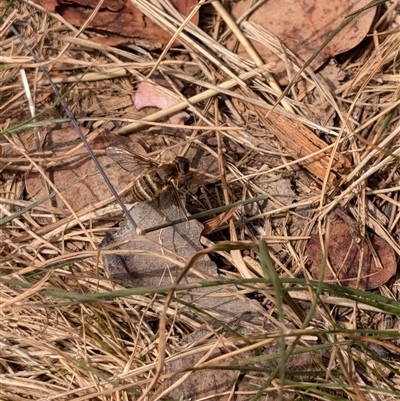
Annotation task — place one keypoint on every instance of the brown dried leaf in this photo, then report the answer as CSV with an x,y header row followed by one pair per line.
x,y
344,257
76,177
119,17
48,5
303,26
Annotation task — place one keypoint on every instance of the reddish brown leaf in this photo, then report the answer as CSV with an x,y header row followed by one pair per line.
x,y
119,17
303,26
344,257
76,177
112,5
49,5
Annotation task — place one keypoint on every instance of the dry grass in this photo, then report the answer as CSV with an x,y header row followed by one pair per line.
x,y
68,332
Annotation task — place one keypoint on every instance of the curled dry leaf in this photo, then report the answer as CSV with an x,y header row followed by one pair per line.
x,y
149,95
303,26
344,257
118,17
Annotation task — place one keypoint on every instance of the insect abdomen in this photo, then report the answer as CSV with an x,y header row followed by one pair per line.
x,y
146,188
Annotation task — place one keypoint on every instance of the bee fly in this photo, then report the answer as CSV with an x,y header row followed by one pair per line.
x,y
158,178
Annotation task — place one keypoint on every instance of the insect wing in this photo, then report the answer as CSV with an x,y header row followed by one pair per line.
x,y
129,160
174,209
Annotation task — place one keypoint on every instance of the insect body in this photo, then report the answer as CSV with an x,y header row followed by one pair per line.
x,y
156,180
158,177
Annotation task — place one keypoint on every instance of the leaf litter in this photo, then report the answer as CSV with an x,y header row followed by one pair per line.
x,y
158,257
302,27
117,18
331,150
365,264
75,176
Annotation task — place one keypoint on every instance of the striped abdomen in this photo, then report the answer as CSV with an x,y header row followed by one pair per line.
x,y
148,187
156,180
